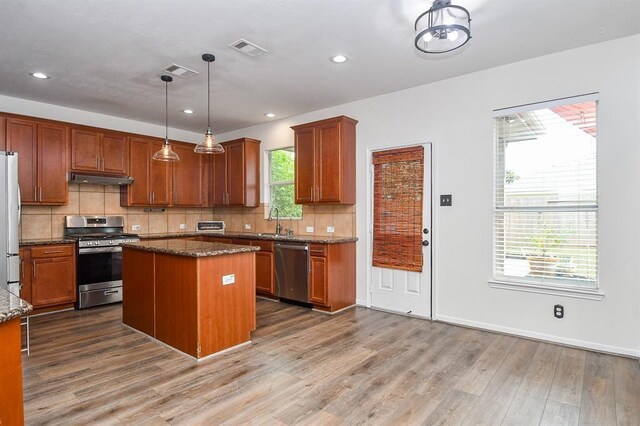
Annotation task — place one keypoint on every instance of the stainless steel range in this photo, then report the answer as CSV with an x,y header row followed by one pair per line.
x,y
99,257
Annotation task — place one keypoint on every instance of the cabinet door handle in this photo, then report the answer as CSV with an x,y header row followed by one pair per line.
x,y
98,163
153,197
35,193
312,193
53,251
39,193
33,268
102,161
21,270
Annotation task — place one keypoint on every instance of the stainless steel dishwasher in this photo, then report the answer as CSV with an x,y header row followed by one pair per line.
x,y
292,271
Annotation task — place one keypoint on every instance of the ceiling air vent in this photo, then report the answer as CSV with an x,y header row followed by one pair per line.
x,y
247,48
180,71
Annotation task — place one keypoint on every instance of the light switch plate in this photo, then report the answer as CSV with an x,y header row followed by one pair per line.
x,y
183,226
228,279
247,226
331,229
309,229
136,228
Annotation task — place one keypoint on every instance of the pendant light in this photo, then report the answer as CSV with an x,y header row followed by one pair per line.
x,y
166,153
209,144
442,28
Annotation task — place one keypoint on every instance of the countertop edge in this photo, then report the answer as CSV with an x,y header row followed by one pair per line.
x,y
7,313
235,249
251,236
45,242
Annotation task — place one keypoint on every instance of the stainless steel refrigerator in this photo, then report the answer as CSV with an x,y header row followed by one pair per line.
x,y
9,222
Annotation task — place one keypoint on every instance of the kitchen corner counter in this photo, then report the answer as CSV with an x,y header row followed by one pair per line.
x,y
12,306
46,242
189,248
255,236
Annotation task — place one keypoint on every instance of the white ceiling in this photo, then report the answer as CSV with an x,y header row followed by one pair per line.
x,y
106,56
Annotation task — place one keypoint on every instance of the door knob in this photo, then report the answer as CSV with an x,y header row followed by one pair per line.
x,y
425,243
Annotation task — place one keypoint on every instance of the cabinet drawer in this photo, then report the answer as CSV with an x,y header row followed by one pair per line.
x,y
266,246
52,251
319,250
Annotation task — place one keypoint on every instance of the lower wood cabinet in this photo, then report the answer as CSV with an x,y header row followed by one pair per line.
x,y
11,406
265,279
48,275
332,276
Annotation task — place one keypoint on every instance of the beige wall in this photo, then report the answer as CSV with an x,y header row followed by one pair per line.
x,y
40,222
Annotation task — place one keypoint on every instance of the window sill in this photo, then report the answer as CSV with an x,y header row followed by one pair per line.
x,y
578,293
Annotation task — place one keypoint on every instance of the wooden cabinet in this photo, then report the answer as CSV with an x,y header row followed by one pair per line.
x,y
42,150
152,180
265,280
3,134
11,398
235,175
189,177
95,151
332,276
48,275
325,161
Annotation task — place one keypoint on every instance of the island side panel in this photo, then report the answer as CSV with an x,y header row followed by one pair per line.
x,y
177,302
138,290
11,407
341,275
227,313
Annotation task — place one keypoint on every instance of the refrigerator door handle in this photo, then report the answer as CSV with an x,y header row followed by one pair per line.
x,y
13,205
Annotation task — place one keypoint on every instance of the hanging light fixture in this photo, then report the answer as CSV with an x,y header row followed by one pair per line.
x,y
442,28
209,144
166,153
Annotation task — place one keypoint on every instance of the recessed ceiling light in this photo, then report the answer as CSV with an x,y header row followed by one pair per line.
x,y
188,111
339,59
270,115
39,75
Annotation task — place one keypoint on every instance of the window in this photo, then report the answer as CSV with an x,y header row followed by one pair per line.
x,y
281,187
546,204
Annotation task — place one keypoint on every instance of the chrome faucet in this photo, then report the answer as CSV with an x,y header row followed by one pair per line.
x,y
278,224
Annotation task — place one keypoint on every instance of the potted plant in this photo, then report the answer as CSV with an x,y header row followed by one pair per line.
x,y
541,258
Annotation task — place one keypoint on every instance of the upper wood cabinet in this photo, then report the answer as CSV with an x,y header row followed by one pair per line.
x,y
325,166
189,177
42,149
152,184
235,175
99,152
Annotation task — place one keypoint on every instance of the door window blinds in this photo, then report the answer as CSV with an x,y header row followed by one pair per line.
x,y
397,208
546,197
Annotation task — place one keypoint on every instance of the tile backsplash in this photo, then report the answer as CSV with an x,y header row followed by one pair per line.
x,y
42,222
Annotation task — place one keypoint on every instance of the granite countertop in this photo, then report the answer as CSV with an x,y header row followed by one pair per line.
x,y
256,236
189,248
46,242
12,306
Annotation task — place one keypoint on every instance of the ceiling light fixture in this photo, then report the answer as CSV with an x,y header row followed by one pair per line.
x,y
270,115
442,28
339,59
40,75
188,111
209,144
166,153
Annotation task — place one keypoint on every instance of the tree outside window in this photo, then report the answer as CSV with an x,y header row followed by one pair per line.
x,y
281,183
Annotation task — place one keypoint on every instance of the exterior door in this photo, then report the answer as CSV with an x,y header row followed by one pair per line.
x,y
400,224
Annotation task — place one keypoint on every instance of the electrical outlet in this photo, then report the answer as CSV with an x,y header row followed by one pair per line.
x,y
183,226
247,226
310,229
558,311
445,200
228,279
331,229
136,228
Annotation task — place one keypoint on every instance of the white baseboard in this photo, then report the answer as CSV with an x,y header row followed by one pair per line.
x,y
541,336
361,302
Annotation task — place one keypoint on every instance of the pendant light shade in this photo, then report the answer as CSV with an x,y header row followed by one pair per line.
x,y
166,153
442,28
209,144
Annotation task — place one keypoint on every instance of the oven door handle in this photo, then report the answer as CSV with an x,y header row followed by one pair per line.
x,y
99,250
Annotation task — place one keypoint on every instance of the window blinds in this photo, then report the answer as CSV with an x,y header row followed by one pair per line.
x,y
546,193
397,208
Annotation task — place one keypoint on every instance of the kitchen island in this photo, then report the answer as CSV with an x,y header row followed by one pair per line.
x,y
197,297
11,309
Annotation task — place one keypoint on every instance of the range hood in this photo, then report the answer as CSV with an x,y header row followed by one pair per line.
x,y
100,180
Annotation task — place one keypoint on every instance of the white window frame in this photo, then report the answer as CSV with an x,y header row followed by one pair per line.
x,y
564,288
272,184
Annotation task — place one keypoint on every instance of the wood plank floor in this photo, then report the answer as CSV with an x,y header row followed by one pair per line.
x,y
357,367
